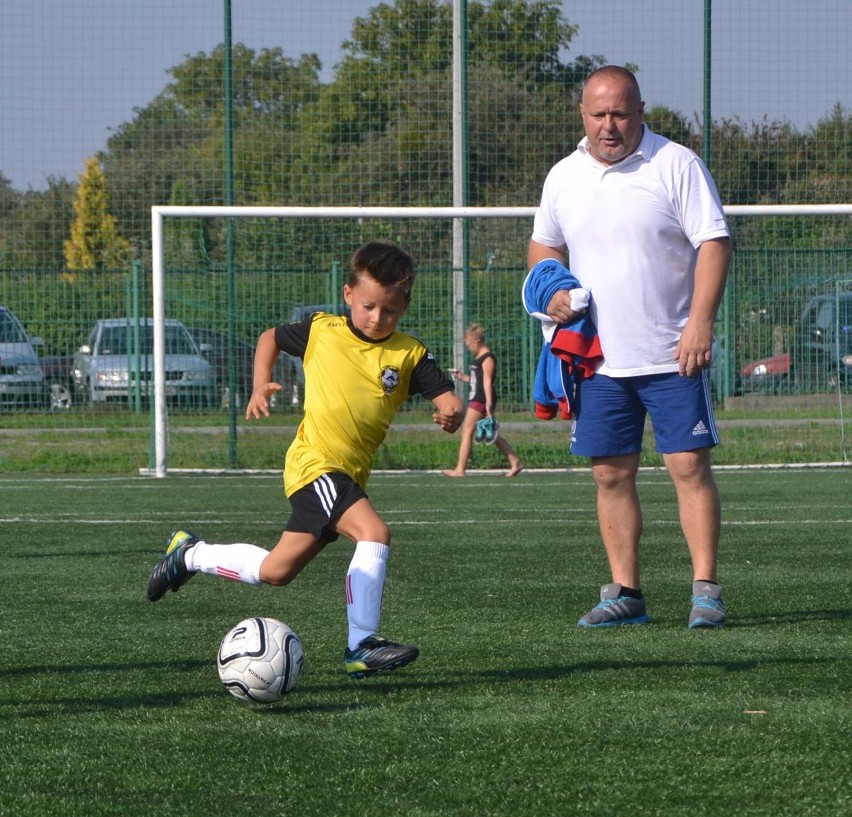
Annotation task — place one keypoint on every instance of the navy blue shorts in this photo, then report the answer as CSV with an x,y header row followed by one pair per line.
x,y
610,414
323,502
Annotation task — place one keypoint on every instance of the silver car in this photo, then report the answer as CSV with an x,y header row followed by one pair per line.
x,y
118,355
21,378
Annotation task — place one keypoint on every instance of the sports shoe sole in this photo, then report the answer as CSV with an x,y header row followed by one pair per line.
x,y
643,619
361,671
704,624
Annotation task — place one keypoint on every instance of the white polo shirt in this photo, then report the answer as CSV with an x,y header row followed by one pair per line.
x,y
632,231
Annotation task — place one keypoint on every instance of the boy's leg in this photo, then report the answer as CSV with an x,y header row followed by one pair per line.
x,y
239,562
367,652
251,564
365,579
188,554
307,531
286,560
365,582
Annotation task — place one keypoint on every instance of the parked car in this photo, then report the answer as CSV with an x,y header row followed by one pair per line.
x,y
822,352
215,348
21,378
768,374
108,366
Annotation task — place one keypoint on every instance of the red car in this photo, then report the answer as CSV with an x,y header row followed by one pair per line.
x,y
766,374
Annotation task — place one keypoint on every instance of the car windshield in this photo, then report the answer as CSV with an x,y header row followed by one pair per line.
x,y
118,340
10,332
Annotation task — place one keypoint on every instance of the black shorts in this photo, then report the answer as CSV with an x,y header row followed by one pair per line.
x,y
323,502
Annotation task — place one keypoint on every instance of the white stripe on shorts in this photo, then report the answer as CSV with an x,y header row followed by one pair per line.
x,y
327,493
708,396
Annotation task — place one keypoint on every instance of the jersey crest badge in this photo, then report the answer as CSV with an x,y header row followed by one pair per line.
x,y
389,379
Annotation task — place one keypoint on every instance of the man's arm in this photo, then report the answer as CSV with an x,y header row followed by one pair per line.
x,y
538,252
693,351
559,309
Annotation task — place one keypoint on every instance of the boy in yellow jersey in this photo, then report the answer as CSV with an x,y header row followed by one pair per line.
x,y
358,371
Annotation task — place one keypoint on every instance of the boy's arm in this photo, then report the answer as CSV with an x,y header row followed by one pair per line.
x,y
450,413
433,383
288,337
265,356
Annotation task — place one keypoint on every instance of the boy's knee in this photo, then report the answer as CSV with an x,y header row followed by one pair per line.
x,y
382,534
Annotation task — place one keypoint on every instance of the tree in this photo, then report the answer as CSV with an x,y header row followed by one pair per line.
x,y
32,232
95,243
175,144
10,199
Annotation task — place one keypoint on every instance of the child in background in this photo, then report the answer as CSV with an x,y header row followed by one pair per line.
x,y
481,402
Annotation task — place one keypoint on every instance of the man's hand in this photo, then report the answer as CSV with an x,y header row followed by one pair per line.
x,y
694,350
559,309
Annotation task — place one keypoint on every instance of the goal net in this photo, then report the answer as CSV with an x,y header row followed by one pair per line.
x,y
784,332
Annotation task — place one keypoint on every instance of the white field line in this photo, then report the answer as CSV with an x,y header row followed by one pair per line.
x,y
141,482
68,518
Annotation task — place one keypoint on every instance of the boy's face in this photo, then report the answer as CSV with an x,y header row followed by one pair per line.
x,y
375,309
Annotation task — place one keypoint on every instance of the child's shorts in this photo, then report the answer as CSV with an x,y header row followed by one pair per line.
x,y
610,414
322,502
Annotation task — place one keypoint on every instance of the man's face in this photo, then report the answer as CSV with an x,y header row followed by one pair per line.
x,y
612,117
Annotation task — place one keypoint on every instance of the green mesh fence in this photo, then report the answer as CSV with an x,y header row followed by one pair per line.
x,y
108,109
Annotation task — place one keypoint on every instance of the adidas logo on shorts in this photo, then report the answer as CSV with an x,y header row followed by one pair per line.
x,y
700,429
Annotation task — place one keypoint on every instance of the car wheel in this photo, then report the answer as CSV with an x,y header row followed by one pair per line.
x,y
224,400
811,372
60,397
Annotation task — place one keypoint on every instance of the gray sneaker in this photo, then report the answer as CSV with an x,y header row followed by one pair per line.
x,y
707,607
615,609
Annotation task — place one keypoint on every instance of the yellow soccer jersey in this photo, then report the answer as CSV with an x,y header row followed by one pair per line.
x,y
353,387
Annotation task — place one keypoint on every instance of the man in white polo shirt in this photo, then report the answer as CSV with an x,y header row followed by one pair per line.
x,y
638,219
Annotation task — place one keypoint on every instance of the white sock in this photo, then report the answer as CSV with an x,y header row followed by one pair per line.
x,y
365,581
239,562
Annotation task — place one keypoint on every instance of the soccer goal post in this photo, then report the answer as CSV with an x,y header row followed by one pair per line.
x,y
785,254
160,213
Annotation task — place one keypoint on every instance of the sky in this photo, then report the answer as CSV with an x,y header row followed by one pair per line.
x,y
73,71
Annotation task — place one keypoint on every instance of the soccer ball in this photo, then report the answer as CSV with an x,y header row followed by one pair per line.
x,y
260,659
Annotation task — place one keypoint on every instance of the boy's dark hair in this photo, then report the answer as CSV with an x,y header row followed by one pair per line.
x,y
387,262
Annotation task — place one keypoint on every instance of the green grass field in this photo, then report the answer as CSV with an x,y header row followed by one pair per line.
x,y
111,705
